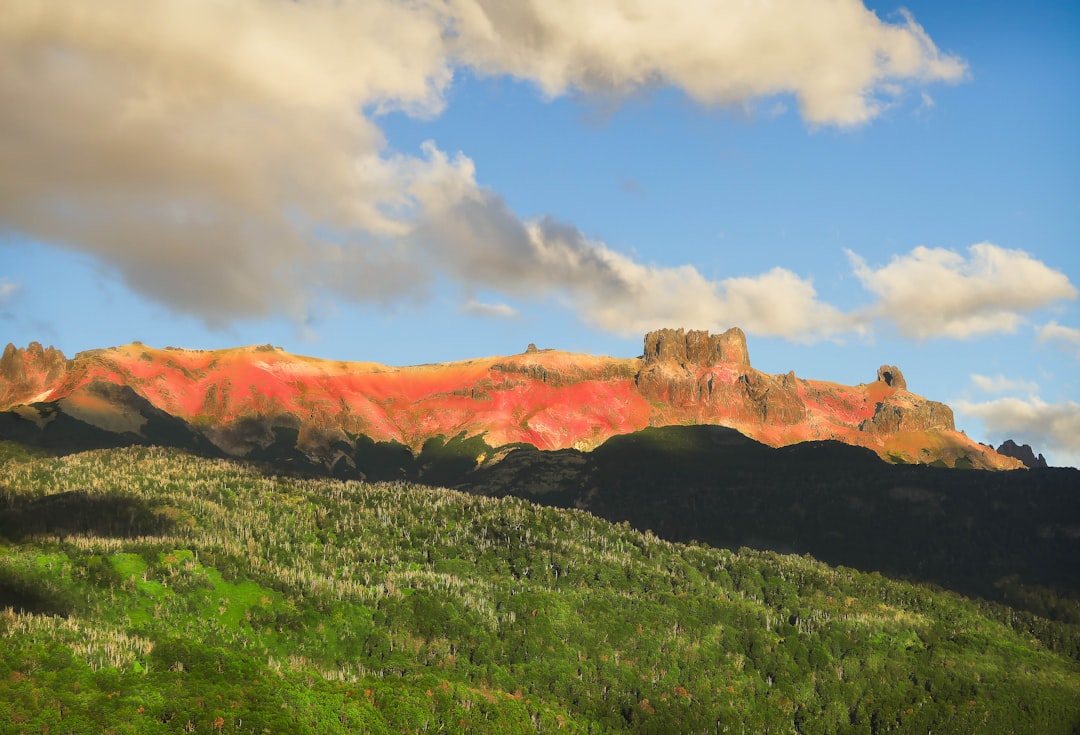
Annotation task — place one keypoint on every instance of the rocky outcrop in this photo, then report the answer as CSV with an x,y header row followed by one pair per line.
x,y
894,415
774,397
696,347
24,373
1022,452
711,375
891,376
554,375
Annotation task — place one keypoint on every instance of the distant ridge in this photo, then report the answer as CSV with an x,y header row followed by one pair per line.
x,y
1022,452
261,400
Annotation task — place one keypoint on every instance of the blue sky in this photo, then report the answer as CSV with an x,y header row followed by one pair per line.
x,y
434,181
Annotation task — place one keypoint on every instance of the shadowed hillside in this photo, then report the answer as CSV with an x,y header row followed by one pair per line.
x,y
1011,536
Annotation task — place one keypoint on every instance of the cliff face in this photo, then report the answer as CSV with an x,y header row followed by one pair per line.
x,y
705,376
24,373
900,413
696,347
243,399
709,378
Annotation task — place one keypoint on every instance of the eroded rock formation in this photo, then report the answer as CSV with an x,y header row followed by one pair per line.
x,y
891,376
249,400
712,374
892,416
27,372
696,347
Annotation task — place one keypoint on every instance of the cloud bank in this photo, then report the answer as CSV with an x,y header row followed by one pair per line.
x,y
934,292
841,62
225,159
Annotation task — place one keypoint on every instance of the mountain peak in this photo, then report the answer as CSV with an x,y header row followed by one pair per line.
x,y
696,347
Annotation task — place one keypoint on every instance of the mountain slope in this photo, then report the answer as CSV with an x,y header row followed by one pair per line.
x,y
241,399
1012,536
206,596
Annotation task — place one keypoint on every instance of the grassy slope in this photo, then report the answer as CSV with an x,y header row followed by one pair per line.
x,y
151,591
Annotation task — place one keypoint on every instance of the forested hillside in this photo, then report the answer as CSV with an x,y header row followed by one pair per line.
x,y
146,590
1012,536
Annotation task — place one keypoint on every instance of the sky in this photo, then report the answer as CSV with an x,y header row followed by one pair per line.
x,y
412,181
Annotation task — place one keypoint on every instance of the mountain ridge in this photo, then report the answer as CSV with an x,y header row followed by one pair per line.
x,y
239,398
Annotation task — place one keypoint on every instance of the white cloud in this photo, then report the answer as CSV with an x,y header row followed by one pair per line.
x,y
484,309
226,160
842,63
1000,384
205,150
1054,332
934,292
1051,429
776,303
473,235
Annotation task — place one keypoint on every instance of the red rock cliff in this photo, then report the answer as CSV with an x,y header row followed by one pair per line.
x,y
547,398
26,373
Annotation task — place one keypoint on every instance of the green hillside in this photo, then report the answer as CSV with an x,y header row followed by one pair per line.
x,y
147,590
1011,537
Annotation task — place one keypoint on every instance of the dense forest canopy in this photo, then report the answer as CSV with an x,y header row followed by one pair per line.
x,y
147,590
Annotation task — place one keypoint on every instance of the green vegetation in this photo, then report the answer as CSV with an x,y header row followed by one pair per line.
x,y
147,590
1003,536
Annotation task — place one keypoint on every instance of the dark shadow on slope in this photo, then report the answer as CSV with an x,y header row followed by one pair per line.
x,y
1008,536
25,596
53,425
77,513
1004,536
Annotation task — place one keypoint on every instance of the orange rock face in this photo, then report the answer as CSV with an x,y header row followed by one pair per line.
x,y
26,373
547,398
